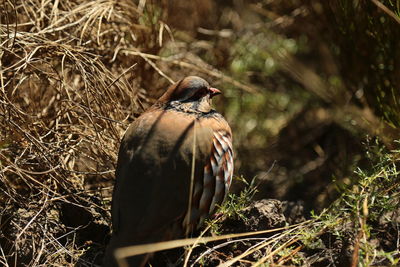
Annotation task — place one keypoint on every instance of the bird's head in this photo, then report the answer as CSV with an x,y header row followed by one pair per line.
x,y
191,93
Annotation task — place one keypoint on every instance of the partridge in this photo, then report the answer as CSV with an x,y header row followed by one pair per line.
x,y
174,168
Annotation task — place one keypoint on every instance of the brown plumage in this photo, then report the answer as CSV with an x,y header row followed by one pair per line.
x,y
153,177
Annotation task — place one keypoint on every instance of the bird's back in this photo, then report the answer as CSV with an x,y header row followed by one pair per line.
x,y
154,169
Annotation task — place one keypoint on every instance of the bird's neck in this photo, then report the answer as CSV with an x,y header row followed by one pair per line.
x,y
188,108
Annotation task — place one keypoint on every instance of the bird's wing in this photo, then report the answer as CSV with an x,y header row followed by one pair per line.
x,y
212,185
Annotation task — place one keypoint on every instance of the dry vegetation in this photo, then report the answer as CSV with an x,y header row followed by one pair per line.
x,y
304,83
67,95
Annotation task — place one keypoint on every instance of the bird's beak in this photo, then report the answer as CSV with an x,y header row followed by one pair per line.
x,y
214,92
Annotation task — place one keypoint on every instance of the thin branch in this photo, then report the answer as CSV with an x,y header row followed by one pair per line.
x,y
386,10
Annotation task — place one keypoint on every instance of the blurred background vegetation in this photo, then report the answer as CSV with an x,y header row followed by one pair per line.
x,y
323,76
307,86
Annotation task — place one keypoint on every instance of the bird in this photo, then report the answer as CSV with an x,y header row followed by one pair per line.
x,y
174,168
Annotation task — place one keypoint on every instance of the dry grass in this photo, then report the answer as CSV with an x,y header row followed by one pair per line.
x,y
273,243
66,97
